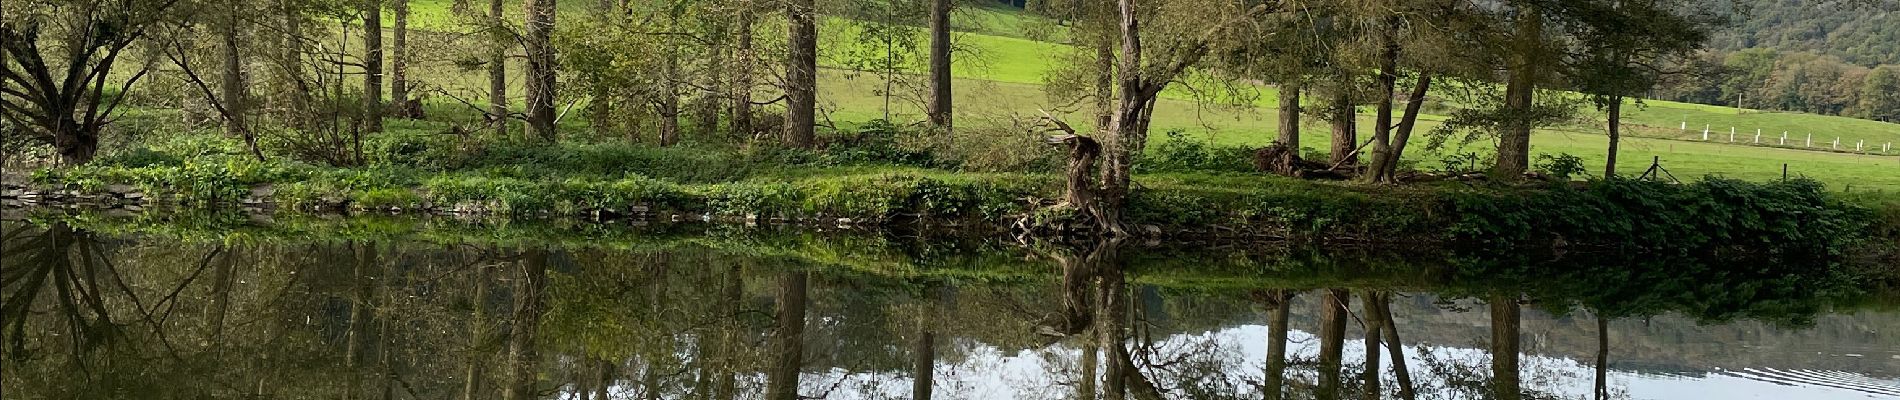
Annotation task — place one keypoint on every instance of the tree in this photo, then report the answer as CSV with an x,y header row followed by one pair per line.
x,y
744,62
1523,66
372,65
1880,94
939,107
500,40
65,101
399,63
1140,79
788,342
801,74
1623,48
540,79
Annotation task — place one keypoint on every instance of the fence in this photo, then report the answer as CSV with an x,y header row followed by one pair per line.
x,y
1807,141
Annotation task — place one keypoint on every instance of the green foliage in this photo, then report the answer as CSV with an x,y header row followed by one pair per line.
x,y
1180,153
1791,217
1562,166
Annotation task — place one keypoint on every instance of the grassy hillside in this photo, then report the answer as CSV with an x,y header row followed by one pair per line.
x,y
1001,72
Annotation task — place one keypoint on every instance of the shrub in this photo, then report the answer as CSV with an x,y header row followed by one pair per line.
x,y
1181,153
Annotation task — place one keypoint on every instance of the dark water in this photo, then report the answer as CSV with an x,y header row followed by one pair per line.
x,y
360,312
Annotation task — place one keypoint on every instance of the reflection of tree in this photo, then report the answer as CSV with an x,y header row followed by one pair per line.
x,y
530,285
1505,382
1332,339
788,341
1280,302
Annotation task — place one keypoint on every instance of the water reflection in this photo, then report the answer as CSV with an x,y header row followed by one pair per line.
x,y
108,316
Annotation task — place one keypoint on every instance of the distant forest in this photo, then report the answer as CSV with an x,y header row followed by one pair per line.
x,y
1833,57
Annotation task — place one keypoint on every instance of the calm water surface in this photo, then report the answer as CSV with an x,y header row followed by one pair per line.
x,y
295,315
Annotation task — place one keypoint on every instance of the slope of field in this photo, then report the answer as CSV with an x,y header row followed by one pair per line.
x,y
1000,76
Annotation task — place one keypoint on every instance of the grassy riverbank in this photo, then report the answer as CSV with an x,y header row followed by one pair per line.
x,y
1185,191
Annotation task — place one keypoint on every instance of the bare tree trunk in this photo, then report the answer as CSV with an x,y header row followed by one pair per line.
x,y
1332,341
1505,381
540,84
1281,302
1414,103
1105,84
1616,135
530,286
292,70
1345,128
1383,156
1514,143
1373,321
1085,387
399,63
801,75
939,107
231,84
742,73
788,344
497,71
373,65
1407,390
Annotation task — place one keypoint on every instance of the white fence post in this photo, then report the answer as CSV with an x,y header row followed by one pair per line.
x,y
1837,142
1757,136
1810,140
1784,138
1731,134
1705,133
1857,144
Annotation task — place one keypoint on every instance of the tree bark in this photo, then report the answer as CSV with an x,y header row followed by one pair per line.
x,y
236,98
1383,156
540,84
1414,103
497,71
1616,135
1505,382
292,70
373,65
1344,124
399,62
1332,336
1105,84
1514,143
939,107
788,345
801,75
530,287
742,73
1281,302
1290,118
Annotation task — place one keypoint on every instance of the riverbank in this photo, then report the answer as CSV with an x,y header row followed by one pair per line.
x,y
1712,214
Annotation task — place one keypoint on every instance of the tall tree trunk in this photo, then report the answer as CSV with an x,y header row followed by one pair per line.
x,y
939,107
1373,321
1414,103
497,71
1407,390
788,344
399,62
1281,302
231,83
363,256
1343,121
1603,358
1514,143
1383,156
1616,135
1505,384
725,385
530,288
1332,341
1105,84
801,75
1290,118
742,73
292,70
540,84
373,65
